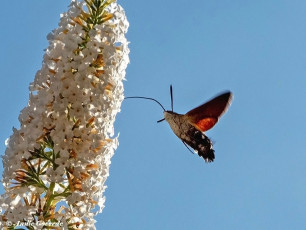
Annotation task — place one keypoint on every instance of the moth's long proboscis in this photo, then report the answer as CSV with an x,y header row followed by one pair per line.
x,y
148,98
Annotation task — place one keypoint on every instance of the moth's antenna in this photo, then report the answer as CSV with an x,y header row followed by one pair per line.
x,y
171,94
148,98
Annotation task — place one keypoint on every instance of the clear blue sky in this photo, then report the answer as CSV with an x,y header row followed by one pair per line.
x,y
256,49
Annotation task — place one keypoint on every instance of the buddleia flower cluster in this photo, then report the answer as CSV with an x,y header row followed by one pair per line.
x,y
57,162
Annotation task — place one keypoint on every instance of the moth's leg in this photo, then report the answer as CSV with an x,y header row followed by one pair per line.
x,y
187,147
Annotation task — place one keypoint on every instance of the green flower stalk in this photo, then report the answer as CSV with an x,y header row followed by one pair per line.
x,y
57,162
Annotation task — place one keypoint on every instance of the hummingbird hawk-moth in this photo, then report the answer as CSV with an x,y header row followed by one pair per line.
x,y
190,127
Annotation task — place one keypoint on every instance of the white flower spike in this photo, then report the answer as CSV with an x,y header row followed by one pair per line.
x,y
57,162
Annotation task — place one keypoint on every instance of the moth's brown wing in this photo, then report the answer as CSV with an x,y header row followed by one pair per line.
x,y
206,115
